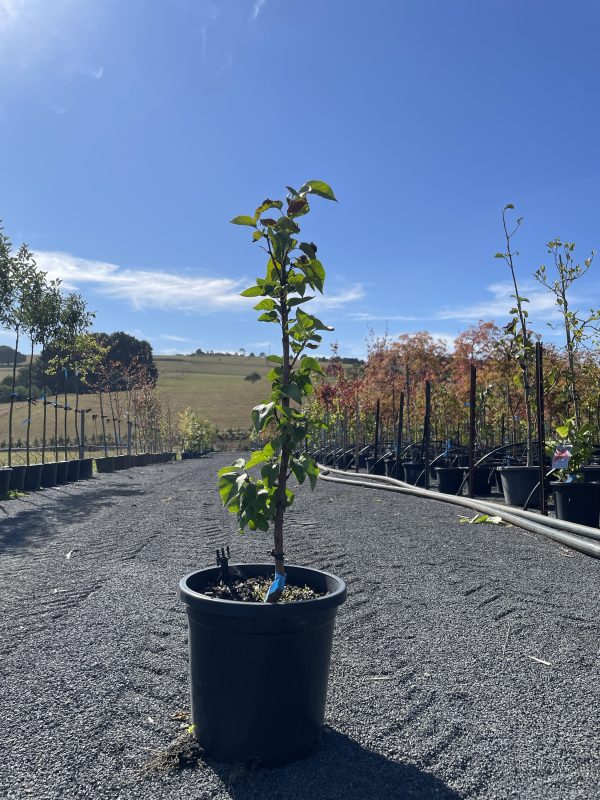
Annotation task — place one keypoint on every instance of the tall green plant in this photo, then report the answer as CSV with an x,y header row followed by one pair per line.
x,y
46,328
574,326
517,329
22,277
292,269
31,310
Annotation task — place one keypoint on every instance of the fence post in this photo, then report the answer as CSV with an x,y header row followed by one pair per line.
x,y
399,438
427,430
472,401
539,386
82,435
376,443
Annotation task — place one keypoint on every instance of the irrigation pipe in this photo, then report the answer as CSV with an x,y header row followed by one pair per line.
x,y
568,534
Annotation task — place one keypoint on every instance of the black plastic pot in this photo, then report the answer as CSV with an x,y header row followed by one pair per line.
x,y
62,473
105,464
449,479
5,473
517,485
394,469
73,470
141,459
577,502
121,462
17,478
375,467
414,471
259,671
591,473
481,481
86,469
33,478
48,474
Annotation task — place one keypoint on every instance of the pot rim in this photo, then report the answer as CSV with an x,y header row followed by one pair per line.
x,y
235,608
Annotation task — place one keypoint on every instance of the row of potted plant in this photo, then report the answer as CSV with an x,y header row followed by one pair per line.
x,y
33,477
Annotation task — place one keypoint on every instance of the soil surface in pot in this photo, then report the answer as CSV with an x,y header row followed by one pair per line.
x,y
253,590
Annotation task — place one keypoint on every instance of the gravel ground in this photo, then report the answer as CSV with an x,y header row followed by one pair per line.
x,y
465,662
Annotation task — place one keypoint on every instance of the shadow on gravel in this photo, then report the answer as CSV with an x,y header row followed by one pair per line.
x,y
340,770
39,523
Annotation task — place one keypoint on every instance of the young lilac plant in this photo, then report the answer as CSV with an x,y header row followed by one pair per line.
x,y
292,269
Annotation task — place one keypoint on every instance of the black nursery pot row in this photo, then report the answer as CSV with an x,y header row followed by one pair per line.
x,y
34,477
31,478
116,463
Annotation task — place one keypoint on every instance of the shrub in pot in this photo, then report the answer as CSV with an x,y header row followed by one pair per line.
x,y
575,499
281,648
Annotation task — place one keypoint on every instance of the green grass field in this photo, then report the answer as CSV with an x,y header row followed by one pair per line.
x,y
213,386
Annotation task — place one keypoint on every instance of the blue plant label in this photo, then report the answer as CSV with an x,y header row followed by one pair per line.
x,y
278,585
561,458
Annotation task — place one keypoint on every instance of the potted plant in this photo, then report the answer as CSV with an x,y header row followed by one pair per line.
x,y
282,649
518,482
575,499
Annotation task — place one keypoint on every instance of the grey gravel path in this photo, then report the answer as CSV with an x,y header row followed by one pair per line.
x,y
465,664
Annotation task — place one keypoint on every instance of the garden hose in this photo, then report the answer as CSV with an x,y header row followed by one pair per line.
x,y
569,534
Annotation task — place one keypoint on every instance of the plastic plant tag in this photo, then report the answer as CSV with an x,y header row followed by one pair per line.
x,y
561,458
278,585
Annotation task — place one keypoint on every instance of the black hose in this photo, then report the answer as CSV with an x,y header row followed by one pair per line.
x,y
568,534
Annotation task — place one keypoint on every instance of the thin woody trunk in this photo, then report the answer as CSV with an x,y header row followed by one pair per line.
x,y
66,412
45,412
285,450
103,425
12,402
29,402
56,415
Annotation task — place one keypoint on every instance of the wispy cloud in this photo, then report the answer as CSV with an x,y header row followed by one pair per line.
x,y
541,307
258,7
170,338
144,288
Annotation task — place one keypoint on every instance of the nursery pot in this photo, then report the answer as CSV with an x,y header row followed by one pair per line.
x,y
577,502
449,479
5,473
259,671
62,472
481,481
48,474
120,462
105,464
141,460
17,478
412,471
73,470
33,478
86,469
518,483
591,473
375,467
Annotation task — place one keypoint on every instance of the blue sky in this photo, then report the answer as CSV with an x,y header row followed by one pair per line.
x,y
131,132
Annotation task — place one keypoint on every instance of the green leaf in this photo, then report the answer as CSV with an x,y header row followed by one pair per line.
x,y
266,205
296,301
261,415
315,273
275,359
253,291
257,235
269,316
266,305
308,249
319,188
260,456
313,472
311,364
562,431
292,391
243,220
